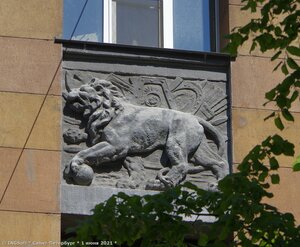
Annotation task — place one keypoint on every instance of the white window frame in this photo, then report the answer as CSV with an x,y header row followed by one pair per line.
x,y
167,25
109,22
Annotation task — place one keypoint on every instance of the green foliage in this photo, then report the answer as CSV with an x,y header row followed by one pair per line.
x,y
277,30
242,216
296,165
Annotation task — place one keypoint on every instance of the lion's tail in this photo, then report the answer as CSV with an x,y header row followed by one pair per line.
x,y
216,134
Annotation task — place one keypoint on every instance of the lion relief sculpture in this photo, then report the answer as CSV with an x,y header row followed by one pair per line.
x,y
118,130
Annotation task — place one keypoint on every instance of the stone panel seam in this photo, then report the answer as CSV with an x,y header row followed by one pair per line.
x,y
260,56
29,93
9,147
20,37
236,4
44,149
284,167
254,108
18,92
31,130
257,56
37,149
30,212
261,109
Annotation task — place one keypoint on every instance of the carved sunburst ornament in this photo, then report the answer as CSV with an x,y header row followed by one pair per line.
x,y
198,97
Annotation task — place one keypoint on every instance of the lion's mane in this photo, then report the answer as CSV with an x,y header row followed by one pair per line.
x,y
108,107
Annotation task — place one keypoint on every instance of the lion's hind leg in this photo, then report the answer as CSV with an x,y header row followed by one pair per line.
x,y
208,159
178,155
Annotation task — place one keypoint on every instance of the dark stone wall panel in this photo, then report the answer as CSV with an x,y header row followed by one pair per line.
x,y
142,126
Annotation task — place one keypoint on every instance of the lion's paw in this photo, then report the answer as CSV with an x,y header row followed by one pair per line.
x,y
212,187
127,184
155,185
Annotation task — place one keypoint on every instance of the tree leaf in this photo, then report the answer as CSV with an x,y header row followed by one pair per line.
x,y
287,115
275,179
203,240
262,176
293,50
277,66
276,55
291,63
296,167
288,149
278,31
296,164
223,235
297,83
279,123
269,116
271,94
254,44
274,165
281,101
284,69
294,96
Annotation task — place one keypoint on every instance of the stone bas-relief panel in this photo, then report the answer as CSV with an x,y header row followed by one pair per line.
x,y
141,132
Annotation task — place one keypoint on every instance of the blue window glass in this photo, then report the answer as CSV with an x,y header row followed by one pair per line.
x,y
191,25
90,25
137,22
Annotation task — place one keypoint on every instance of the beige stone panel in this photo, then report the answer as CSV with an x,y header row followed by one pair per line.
x,y
28,65
251,78
18,112
35,184
238,18
238,2
234,167
46,133
250,129
40,19
32,227
286,193
9,157
56,86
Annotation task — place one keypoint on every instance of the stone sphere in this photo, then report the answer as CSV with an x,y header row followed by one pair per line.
x,y
84,175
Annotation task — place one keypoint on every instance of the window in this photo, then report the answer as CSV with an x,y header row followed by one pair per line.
x,y
180,24
133,22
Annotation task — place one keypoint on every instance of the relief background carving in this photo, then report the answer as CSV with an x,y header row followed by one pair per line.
x,y
203,97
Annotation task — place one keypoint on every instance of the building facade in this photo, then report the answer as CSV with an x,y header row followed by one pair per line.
x,y
31,112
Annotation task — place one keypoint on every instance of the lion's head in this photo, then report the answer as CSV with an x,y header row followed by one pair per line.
x,y
98,101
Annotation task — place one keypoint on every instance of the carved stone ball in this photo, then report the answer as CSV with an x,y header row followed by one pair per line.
x,y
84,175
